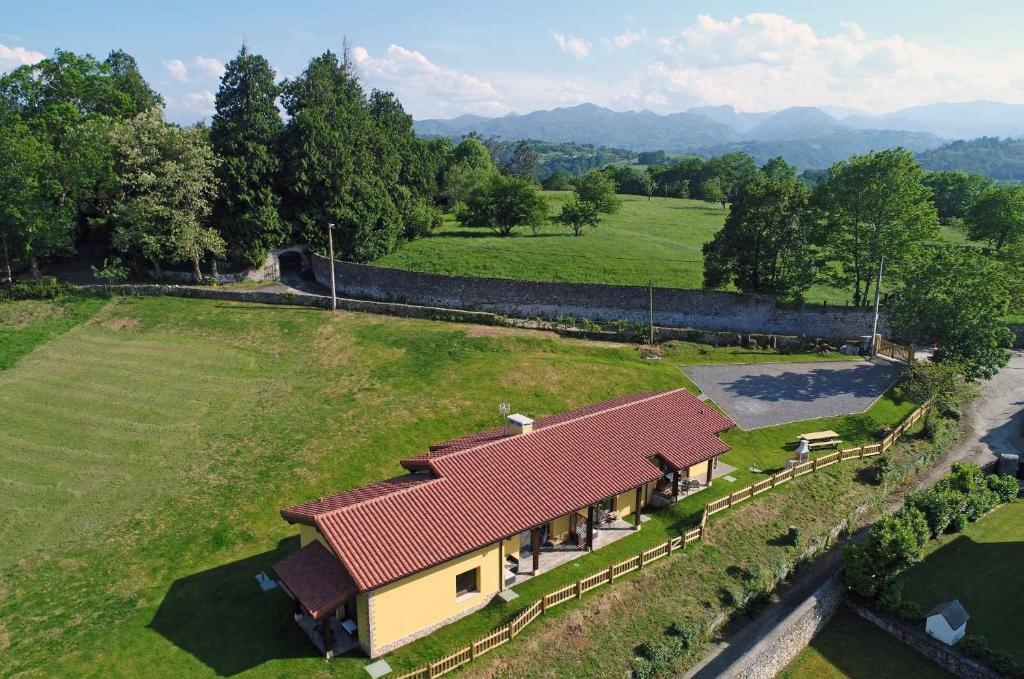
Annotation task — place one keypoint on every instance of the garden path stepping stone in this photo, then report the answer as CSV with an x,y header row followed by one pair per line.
x,y
729,478
378,669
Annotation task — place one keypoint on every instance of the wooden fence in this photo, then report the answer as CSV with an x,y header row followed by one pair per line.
x,y
577,589
858,452
894,351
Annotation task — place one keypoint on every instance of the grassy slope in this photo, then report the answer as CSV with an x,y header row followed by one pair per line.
x,y
28,324
658,240
850,646
133,530
982,568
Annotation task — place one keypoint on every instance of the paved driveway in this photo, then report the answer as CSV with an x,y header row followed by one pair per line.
x,y
764,394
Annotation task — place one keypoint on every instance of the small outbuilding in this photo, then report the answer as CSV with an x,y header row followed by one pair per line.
x,y
947,622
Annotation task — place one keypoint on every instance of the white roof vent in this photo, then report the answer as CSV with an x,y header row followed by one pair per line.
x,y
519,424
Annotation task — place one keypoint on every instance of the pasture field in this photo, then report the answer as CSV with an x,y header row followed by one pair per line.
x,y
851,647
658,240
146,449
982,568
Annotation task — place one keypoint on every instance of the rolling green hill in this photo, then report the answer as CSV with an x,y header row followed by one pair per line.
x,y
655,240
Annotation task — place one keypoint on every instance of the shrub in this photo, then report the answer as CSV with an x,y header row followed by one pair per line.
x,y
422,220
1005,486
112,271
959,523
46,287
938,506
794,536
973,646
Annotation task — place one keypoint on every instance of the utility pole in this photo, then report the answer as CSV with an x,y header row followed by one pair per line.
x,y
330,253
650,307
878,298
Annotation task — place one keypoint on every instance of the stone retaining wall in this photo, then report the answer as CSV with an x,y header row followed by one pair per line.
x,y
933,649
673,308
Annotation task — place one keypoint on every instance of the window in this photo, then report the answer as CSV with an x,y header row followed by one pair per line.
x,y
467,583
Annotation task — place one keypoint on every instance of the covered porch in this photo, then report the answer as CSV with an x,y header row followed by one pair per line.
x,y
678,484
324,598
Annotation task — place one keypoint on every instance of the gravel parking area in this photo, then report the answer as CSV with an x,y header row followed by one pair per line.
x,y
766,394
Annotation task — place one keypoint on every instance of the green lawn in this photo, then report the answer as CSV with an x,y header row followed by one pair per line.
x,y
145,452
657,240
25,325
850,646
984,568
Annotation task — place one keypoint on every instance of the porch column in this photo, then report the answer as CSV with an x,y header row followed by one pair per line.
x,y
639,497
711,463
328,641
675,485
590,527
535,549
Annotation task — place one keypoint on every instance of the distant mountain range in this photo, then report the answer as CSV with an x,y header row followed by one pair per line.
x,y
808,137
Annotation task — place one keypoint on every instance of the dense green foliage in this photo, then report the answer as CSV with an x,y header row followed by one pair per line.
x,y
956,298
1000,159
873,206
896,542
955,192
997,216
765,245
503,203
594,195
245,132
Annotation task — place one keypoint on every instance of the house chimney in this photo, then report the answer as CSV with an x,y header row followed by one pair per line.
x,y
519,424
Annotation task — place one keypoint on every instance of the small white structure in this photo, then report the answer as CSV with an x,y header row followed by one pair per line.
x,y
947,622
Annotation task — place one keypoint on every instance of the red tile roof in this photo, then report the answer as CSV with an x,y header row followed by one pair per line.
x,y
493,485
316,578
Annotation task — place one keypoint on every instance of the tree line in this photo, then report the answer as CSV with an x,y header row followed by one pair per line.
x,y
87,157
883,211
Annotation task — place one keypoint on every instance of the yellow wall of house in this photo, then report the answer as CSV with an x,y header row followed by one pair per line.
x,y
363,620
559,528
510,546
625,503
699,471
424,599
309,533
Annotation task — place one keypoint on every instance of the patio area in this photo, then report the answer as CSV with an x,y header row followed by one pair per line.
x,y
341,641
552,556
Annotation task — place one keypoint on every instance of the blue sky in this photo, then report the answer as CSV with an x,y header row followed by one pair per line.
x,y
448,58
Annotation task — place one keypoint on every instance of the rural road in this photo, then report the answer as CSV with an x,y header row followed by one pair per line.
x,y
993,424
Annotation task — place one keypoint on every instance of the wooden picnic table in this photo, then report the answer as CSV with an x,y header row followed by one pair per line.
x,y
819,436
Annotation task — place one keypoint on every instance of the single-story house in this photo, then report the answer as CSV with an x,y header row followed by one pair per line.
x,y
382,565
947,622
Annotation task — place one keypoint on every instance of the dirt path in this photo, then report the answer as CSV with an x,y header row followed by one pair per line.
x,y
992,425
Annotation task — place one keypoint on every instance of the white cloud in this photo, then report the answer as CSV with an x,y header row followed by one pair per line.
x,y
575,47
626,39
768,61
177,69
13,57
425,88
200,102
211,67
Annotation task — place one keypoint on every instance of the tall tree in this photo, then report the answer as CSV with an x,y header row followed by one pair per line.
x,y
998,216
732,170
765,245
525,160
245,132
777,169
472,152
956,297
955,192
330,168
873,206
128,80
593,195
166,187
31,221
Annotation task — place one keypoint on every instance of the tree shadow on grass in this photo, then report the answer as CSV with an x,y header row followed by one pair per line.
x,y
222,618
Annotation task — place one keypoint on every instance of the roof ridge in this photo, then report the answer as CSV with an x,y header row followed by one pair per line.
x,y
481,446
369,500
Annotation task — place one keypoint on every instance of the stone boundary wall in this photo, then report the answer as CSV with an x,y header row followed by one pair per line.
x,y
933,649
317,301
772,653
673,308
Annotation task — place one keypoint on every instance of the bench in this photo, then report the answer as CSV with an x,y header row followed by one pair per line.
x,y
825,444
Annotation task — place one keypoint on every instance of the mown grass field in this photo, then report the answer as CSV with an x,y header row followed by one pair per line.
x,y
983,568
657,240
146,448
851,647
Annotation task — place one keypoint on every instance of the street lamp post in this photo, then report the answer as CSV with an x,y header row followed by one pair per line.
x,y
878,297
330,253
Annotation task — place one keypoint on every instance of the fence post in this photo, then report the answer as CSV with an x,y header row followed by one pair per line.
x,y
730,501
814,465
579,589
670,543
